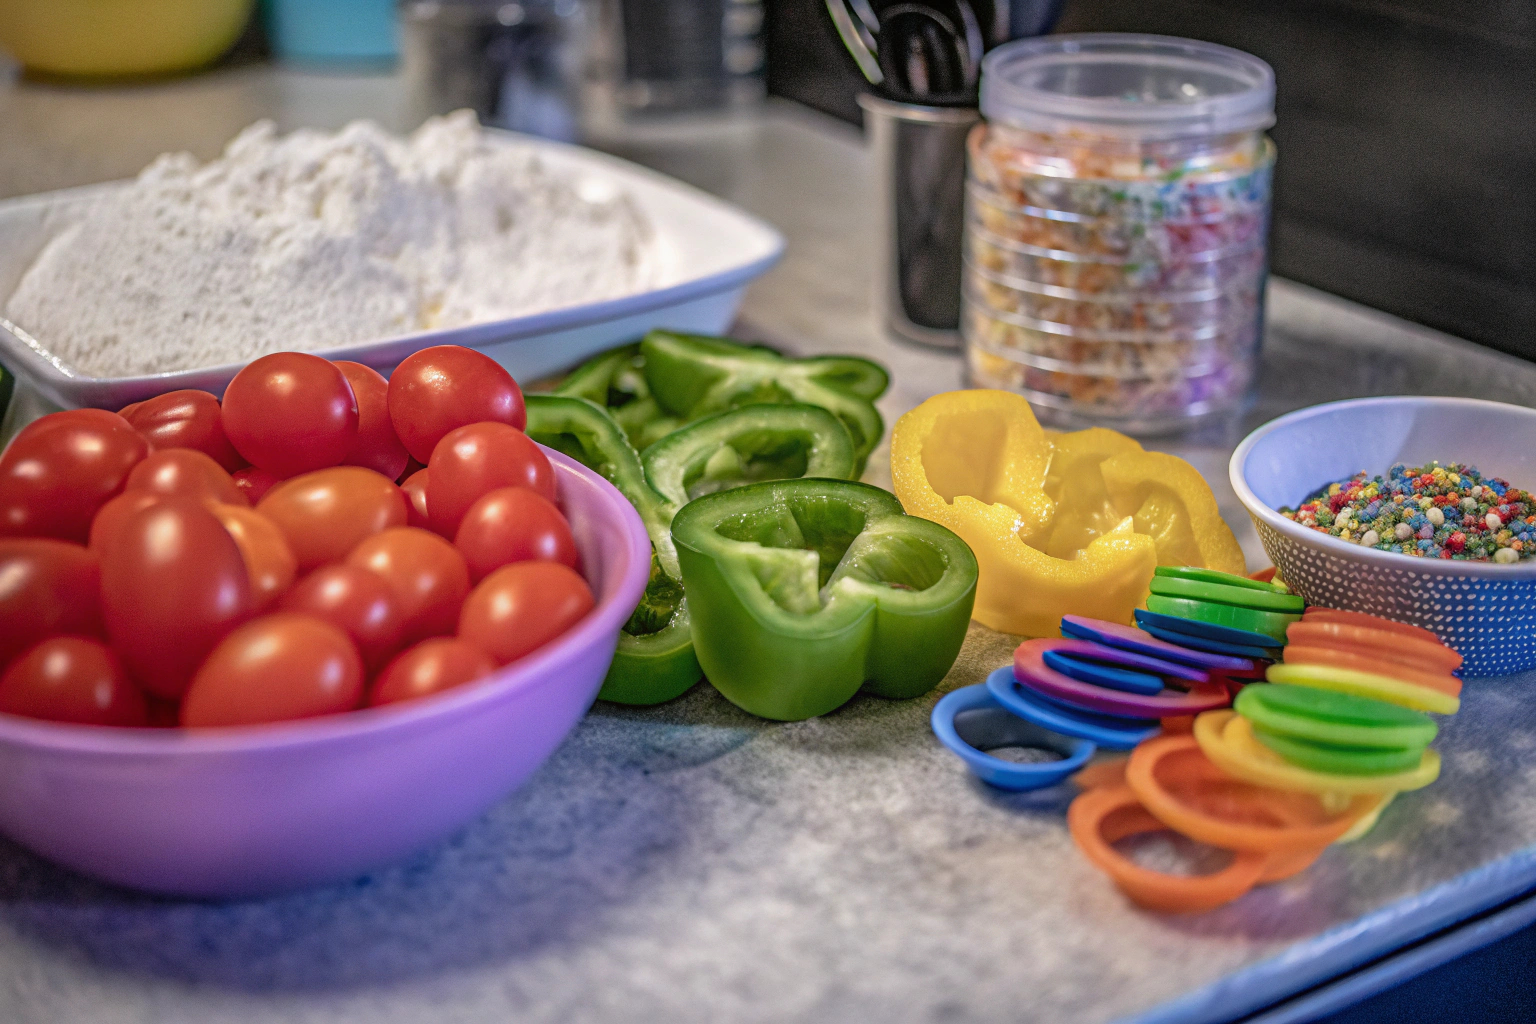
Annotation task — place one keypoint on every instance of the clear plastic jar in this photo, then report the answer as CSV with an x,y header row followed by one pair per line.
x,y
1117,212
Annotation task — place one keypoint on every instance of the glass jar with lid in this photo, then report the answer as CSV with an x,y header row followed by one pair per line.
x,y
1117,211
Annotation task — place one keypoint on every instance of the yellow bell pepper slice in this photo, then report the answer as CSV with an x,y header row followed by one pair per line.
x,y
1061,524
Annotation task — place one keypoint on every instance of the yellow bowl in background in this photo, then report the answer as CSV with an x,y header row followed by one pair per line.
x,y
120,37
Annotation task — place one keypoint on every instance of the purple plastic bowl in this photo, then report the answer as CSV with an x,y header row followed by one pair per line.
x,y
262,809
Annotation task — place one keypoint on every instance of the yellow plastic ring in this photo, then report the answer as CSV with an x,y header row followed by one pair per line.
x,y
1366,684
1227,739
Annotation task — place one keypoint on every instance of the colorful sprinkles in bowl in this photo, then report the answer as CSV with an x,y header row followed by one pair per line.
x,y
1430,511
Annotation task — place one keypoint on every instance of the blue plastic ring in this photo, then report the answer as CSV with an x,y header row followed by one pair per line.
x,y
1106,731
1200,643
1208,630
1004,730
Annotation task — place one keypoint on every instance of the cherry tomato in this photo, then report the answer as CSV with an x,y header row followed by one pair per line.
x,y
185,419
448,386
255,483
521,607
426,573
269,561
412,467
415,488
111,515
356,601
47,587
173,584
277,668
327,513
513,524
184,472
377,447
128,409
60,469
291,413
472,461
72,679
432,666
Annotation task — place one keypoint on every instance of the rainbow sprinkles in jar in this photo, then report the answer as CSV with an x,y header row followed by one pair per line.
x,y
1431,511
1116,219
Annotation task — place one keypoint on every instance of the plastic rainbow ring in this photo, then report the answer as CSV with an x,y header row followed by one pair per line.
x,y
1228,740
1001,729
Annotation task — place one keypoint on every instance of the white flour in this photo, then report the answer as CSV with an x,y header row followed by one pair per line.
x,y
314,241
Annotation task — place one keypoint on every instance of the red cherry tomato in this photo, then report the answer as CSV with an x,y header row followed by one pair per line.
x,y
173,584
356,601
62,468
513,524
72,679
129,409
184,472
255,483
277,668
185,419
426,573
377,447
291,413
472,461
415,488
47,587
111,515
448,386
327,513
269,561
432,666
521,607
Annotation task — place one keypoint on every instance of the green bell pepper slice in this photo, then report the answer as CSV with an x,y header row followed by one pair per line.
x,y
805,591
615,380
654,661
745,445
690,376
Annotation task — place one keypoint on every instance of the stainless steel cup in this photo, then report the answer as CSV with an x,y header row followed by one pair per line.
x,y
919,161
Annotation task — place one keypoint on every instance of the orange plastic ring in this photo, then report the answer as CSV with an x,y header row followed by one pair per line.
x,y
1316,613
1109,771
1108,814
1250,817
1354,658
1382,643
1263,575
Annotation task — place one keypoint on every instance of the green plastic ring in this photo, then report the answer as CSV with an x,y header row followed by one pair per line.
x,y
1190,572
1336,719
1332,760
1242,597
1271,624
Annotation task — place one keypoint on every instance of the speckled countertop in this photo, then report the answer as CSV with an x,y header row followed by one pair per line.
x,y
691,863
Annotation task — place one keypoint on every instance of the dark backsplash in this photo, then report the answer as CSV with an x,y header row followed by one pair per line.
x,y
1406,129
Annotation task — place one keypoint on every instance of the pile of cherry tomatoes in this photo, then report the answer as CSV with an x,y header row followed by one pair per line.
x,y
322,540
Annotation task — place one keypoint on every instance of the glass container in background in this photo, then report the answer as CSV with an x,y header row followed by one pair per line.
x,y
518,65
1117,211
677,56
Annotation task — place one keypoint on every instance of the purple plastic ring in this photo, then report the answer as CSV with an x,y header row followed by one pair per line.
x,y
1128,659
1030,669
1129,638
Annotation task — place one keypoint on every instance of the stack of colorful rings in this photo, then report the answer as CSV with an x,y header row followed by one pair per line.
x,y
1219,612
1170,785
1344,712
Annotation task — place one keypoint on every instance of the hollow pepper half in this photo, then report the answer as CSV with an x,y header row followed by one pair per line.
x,y
805,591
655,659
1061,524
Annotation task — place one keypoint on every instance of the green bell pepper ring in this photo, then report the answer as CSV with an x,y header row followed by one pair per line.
x,y
654,661
615,380
755,442
804,591
691,376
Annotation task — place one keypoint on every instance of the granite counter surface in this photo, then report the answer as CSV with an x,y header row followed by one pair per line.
x,y
691,863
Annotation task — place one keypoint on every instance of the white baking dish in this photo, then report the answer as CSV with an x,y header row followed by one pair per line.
x,y
710,251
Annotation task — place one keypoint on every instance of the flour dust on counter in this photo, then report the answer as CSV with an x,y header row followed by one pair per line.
x,y
317,240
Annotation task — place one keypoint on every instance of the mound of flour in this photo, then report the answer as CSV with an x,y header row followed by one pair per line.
x,y
315,240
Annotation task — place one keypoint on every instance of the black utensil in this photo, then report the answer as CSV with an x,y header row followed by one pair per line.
x,y
930,54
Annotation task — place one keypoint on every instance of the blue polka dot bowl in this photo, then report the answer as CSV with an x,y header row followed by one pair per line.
x,y
1486,611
